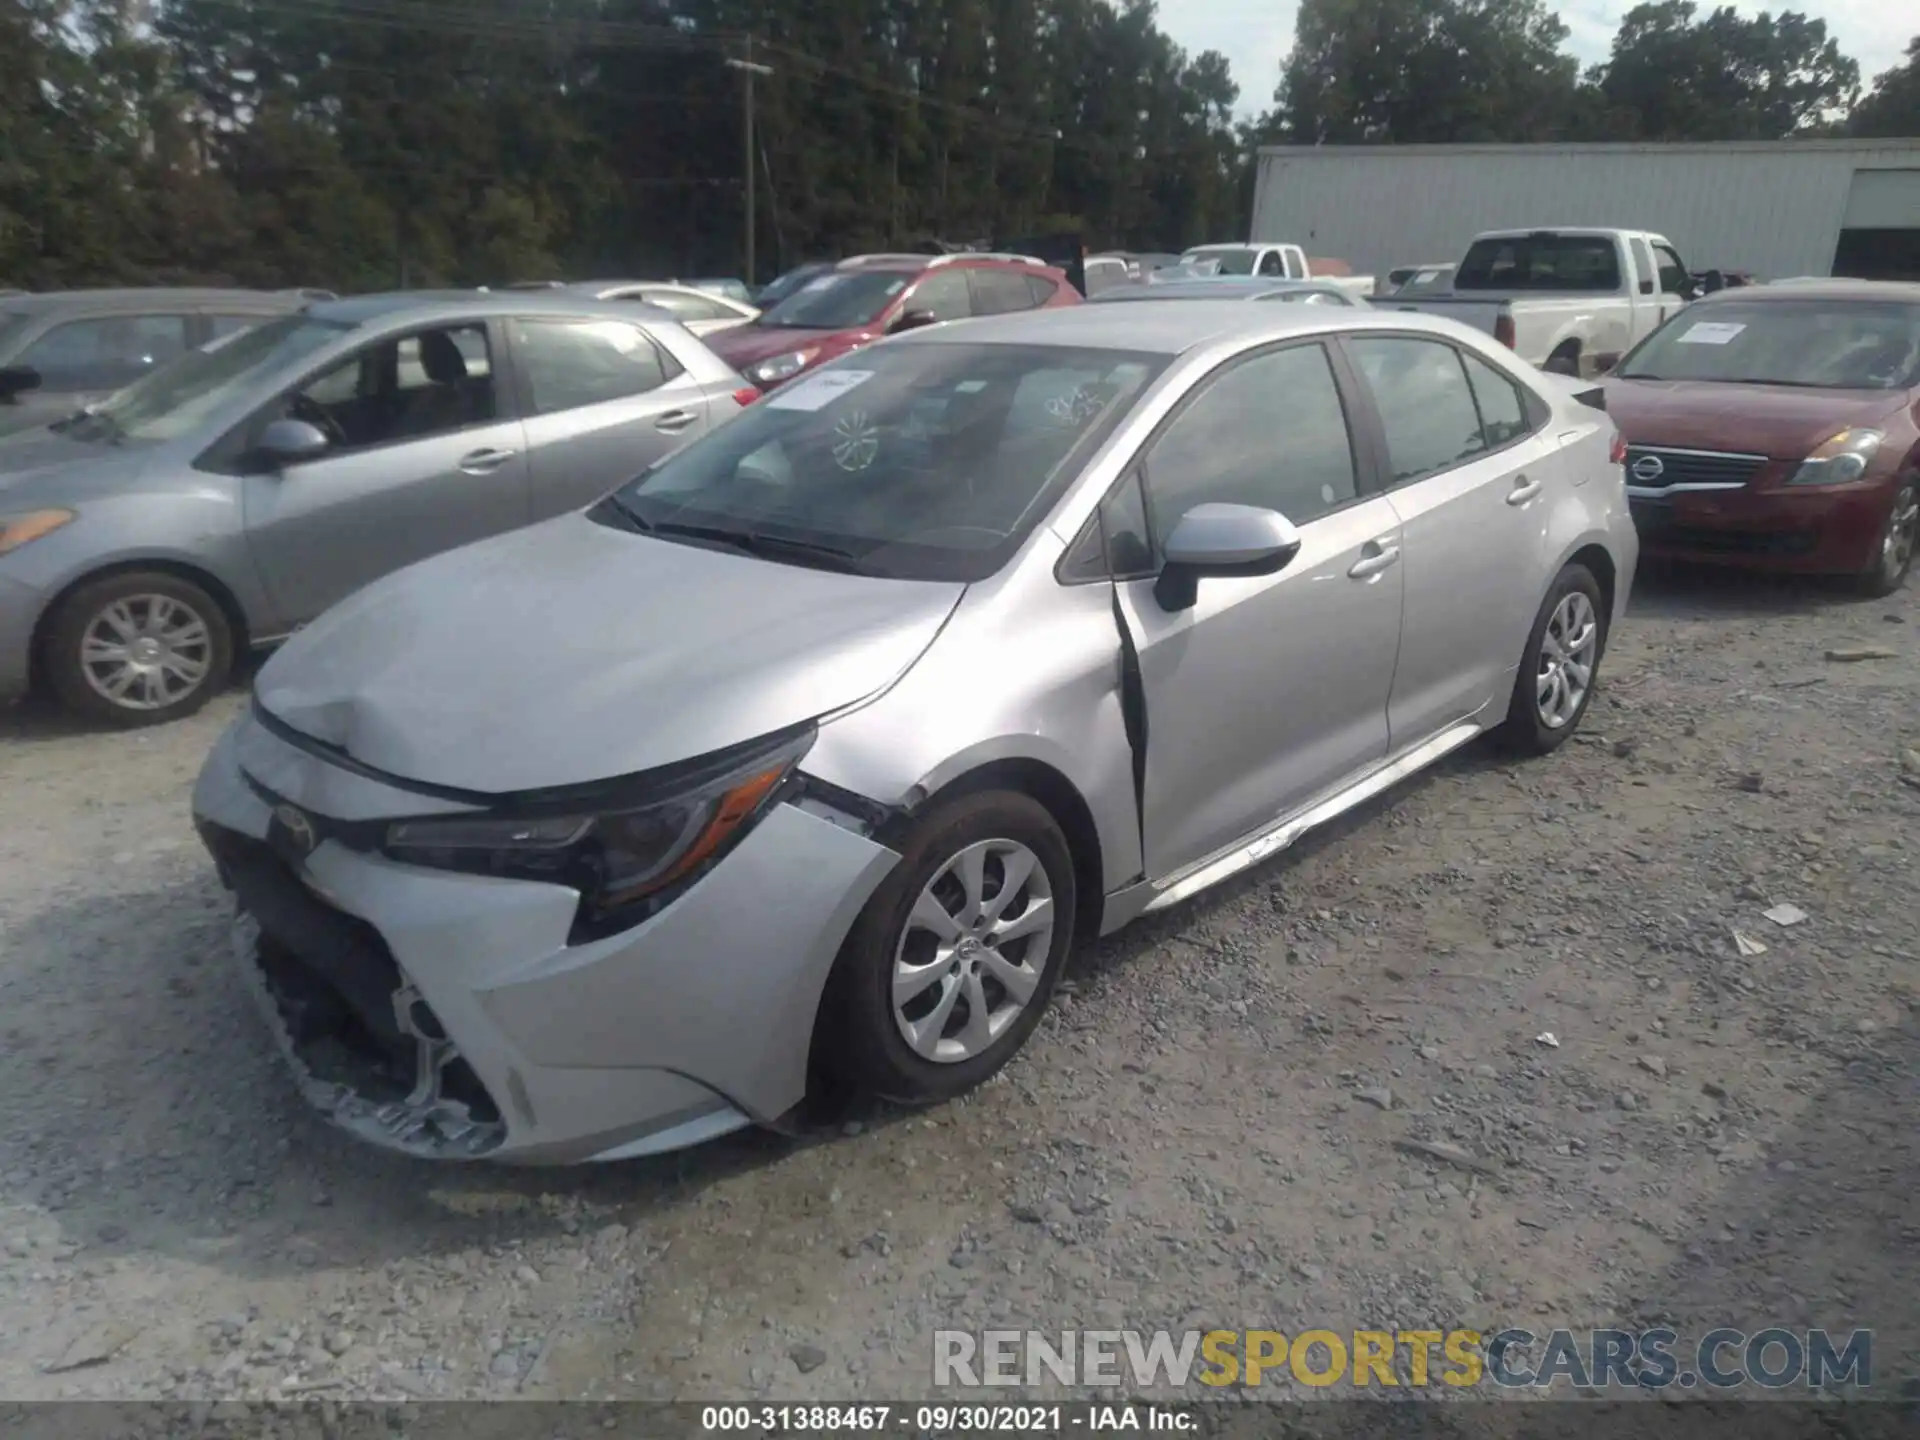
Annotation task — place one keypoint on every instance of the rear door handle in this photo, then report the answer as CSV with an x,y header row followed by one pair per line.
x,y
1374,558
675,420
1523,490
480,462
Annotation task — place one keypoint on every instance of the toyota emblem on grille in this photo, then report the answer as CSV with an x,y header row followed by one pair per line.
x,y
298,827
1649,467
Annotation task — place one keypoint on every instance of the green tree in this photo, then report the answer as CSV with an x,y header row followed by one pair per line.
x,y
1893,108
1673,76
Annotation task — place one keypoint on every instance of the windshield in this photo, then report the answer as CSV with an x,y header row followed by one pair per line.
x,y
935,466
180,397
1223,261
774,291
841,300
1541,262
1821,344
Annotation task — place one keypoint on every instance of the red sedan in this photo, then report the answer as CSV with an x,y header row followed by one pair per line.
x,y
1778,428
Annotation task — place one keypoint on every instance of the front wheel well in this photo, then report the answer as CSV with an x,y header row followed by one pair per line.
x,y
1597,560
1069,810
180,570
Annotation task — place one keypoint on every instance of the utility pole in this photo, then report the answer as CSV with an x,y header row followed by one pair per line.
x,y
749,69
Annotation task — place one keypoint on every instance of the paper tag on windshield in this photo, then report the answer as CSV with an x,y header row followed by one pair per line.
x,y
818,390
1714,332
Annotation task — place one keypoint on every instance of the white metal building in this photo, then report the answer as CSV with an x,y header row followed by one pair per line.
x,y
1800,207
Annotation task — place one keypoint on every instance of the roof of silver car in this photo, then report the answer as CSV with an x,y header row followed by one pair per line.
x,y
37,302
1165,329
1239,287
475,304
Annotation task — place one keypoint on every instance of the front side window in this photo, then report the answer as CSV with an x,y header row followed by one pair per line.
x,y
936,465
571,363
1001,292
1805,344
105,353
838,300
1426,406
1541,262
943,294
431,383
1674,279
1269,431
177,400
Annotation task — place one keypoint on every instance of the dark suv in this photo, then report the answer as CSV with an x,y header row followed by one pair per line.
x,y
869,296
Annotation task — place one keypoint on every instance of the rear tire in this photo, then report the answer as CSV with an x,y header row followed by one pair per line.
x,y
1560,666
951,965
1893,557
138,648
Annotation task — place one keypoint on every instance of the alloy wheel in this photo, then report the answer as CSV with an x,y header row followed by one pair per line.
x,y
1568,650
146,652
973,950
1896,549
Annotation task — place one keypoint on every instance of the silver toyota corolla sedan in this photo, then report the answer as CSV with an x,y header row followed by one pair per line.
x,y
817,746
226,500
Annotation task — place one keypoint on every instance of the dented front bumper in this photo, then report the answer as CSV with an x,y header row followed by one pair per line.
x,y
446,1016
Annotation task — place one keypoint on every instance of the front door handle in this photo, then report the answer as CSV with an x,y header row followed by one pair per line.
x,y
1374,558
481,462
1523,490
675,420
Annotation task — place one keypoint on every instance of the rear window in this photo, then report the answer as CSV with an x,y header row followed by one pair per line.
x,y
1541,262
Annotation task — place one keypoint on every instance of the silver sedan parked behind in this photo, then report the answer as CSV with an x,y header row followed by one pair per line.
x,y
230,498
818,745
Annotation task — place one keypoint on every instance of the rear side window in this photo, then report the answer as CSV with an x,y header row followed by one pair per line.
x,y
569,363
944,293
105,353
1272,264
1426,405
1541,262
1041,289
1503,410
1000,292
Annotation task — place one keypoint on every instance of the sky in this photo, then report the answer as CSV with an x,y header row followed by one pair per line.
x,y
1255,34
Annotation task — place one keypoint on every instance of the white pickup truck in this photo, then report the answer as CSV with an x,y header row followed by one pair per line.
x,y
1282,262
1568,300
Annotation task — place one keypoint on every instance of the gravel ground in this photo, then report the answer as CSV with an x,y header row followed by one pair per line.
x,y
1206,1131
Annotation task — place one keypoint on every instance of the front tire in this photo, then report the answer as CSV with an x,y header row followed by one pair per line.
x,y
138,648
1559,667
1893,558
951,965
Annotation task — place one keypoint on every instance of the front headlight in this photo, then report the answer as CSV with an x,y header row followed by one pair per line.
x,y
17,530
1841,457
627,858
781,367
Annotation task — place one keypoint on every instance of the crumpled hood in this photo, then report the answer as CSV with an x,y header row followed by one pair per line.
x,y
572,652
749,344
1778,421
42,467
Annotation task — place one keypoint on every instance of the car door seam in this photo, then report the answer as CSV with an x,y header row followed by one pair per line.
x,y
1133,692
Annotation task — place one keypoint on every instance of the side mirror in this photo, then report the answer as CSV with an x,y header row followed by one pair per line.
x,y
913,320
1223,540
293,442
16,380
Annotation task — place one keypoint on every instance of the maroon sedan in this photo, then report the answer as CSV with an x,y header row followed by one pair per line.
x,y
1778,427
869,296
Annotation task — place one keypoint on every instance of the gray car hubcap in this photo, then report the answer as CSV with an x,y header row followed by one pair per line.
x,y
146,652
970,957
1896,551
1567,652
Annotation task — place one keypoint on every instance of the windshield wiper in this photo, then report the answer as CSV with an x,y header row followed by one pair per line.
x,y
760,545
1790,384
